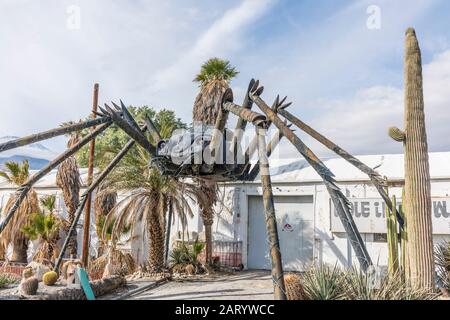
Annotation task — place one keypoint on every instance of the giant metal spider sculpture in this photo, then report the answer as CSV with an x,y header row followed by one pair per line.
x,y
215,170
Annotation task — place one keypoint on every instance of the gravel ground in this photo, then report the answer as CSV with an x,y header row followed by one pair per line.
x,y
248,285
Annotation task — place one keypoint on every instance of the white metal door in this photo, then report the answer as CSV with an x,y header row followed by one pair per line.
x,y
295,231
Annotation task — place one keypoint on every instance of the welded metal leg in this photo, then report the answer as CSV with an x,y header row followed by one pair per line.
x,y
340,202
270,148
20,142
271,222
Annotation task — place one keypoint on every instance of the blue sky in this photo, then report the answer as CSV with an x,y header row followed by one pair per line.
x,y
344,79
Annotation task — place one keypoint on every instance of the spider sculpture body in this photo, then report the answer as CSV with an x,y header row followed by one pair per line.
x,y
214,153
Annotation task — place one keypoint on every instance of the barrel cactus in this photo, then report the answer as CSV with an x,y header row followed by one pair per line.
x,y
50,278
417,202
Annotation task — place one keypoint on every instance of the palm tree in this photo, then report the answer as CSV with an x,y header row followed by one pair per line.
x,y
105,200
68,180
143,211
45,228
214,78
17,174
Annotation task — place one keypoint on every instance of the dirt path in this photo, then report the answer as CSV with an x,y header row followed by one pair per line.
x,y
250,285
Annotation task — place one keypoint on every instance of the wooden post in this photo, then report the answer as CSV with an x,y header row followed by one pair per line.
x,y
168,229
87,214
24,188
373,175
91,187
271,221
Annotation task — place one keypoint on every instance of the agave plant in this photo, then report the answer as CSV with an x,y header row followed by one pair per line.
x,y
442,258
45,228
8,279
186,254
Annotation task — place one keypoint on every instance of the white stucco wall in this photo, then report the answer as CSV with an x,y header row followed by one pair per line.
x,y
231,222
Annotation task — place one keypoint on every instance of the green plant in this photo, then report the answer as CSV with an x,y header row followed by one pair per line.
x,y
404,268
294,287
323,283
50,278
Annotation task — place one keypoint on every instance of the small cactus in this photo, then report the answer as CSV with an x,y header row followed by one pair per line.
x,y
50,278
190,269
29,284
417,200
396,134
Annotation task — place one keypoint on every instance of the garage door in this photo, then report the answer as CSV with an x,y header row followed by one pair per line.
x,y
295,230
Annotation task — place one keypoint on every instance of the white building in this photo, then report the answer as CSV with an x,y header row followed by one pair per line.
x,y
308,229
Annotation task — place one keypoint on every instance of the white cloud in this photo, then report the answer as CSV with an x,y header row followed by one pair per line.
x,y
359,124
48,71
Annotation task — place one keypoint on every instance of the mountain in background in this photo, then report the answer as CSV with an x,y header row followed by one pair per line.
x,y
37,154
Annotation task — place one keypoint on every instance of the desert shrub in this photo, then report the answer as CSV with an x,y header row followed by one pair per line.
x,y
7,279
323,283
331,283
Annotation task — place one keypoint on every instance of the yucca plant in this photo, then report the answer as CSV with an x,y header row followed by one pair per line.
x,y
68,180
16,174
214,78
442,258
417,201
358,285
7,279
45,228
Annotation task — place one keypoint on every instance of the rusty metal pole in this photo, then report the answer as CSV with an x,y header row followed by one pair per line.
x,y
87,213
271,220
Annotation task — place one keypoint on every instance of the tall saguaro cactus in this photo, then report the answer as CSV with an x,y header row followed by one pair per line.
x,y
417,174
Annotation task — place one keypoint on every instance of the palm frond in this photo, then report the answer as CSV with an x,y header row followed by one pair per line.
x,y
216,69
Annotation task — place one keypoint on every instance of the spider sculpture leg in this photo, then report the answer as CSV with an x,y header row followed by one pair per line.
x,y
340,202
271,222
